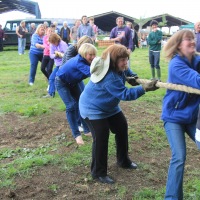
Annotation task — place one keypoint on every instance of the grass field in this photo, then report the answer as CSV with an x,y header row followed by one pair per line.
x,y
40,160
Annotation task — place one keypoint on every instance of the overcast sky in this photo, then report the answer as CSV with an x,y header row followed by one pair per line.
x,y
141,8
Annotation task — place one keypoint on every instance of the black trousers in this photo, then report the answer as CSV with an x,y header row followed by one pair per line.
x,y
100,129
47,66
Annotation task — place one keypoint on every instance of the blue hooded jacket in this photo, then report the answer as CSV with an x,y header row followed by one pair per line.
x,y
181,107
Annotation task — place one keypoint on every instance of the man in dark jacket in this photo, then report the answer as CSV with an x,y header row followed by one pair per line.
x,y
65,33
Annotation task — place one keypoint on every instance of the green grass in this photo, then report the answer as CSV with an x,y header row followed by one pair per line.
x,y
18,97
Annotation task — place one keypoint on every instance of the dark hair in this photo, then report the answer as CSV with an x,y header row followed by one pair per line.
x,y
153,22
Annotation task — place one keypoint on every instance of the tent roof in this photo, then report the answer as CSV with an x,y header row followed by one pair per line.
x,y
106,21
20,5
171,20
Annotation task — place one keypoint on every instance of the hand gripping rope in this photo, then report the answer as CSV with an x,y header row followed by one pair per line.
x,y
170,86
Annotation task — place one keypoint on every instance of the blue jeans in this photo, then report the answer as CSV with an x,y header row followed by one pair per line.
x,y
34,59
70,96
154,59
21,45
176,138
52,88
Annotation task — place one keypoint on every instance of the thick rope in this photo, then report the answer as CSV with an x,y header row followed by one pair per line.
x,y
170,86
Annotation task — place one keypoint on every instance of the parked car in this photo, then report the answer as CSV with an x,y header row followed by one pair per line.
x,y
11,37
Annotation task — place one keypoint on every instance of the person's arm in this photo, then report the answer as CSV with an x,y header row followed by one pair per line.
x,y
117,89
34,41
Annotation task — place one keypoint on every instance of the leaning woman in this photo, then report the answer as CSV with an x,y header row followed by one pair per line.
x,y
67,82
99,106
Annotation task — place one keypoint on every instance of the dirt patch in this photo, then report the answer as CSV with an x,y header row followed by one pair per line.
x,y
17,131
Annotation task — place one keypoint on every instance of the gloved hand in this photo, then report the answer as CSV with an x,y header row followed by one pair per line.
x,y
132,80
151,86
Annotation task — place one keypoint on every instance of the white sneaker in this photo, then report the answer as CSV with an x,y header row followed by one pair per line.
x,y
47,88
47,96
30,84
80,128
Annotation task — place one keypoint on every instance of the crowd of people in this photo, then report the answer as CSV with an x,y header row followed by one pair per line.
x,y
95,106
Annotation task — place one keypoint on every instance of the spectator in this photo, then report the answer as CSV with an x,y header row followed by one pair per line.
x,y
197,34
134,35
21,31
67,78
154,42
32,28
94,27
2,38
65,32
46,25
57,30
180,109
74,31
121,34
36,51
99,106
85,29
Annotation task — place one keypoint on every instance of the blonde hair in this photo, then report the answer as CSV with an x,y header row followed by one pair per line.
x,y
116,52
39,27
22,22
82,40
171,48
87,49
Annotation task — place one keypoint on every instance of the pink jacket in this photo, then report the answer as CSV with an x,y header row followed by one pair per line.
x,y
47,46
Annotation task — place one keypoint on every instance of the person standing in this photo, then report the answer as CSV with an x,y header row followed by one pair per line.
x,y
36,51
134,35
180,109
57,30
121,34
94,27
65,32
74,31
32,29
197,36
2,38
85,29
21,31
154,42
99,107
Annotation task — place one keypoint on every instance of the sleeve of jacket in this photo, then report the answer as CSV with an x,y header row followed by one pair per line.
x,y
117,89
